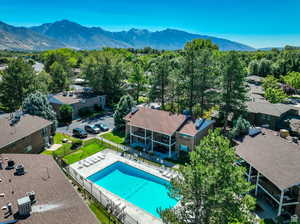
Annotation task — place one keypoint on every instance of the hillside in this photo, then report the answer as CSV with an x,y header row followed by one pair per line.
x,y
69,34
21,38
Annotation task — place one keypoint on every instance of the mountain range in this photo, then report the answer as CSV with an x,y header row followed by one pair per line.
x,y
69,34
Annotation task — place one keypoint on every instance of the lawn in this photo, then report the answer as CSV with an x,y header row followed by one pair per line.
x,y
101,214
89,148
58,138
115,136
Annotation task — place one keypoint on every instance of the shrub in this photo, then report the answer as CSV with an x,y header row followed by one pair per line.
x,y
84,112
275,95
240,127
66,113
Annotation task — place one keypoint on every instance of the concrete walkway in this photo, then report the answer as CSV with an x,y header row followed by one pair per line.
x,y
54,147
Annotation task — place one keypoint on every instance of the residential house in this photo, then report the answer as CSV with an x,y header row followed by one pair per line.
x,y
50,195
24,134
165,133
273,166
78,100
265,113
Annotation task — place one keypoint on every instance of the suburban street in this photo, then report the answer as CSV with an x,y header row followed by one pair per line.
x,y
105,119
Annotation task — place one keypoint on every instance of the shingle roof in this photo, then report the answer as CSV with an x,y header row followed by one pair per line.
x,y
274,157
156,120
269,108
189,127
27,125
60,99
57,201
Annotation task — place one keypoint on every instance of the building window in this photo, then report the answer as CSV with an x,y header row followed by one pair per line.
x,y
183,148
185,136
44,132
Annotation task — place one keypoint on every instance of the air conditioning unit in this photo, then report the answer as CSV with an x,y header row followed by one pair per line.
x,y
24,206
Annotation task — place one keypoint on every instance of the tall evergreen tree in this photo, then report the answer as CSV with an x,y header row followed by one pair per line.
x,y
124,106
18,81
137,80
233,86
211,188
161,70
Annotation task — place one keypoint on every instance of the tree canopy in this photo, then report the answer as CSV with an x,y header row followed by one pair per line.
x,y
211,188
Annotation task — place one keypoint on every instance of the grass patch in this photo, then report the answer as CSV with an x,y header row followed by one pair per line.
x,y
101,214
115,136
47,152
58,138
89,148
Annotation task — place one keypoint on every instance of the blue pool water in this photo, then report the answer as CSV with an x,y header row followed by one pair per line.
x,y
136,186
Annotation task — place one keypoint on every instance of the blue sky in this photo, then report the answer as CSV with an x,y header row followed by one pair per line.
x,y
259,23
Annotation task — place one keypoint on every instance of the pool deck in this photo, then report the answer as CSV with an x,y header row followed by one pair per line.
x,y
111,157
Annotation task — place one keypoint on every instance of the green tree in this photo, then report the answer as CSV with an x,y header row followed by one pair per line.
x,y
240,127
18,81
270,82
211,188
137,80
196,77
38,104
253,67
43,82
264,67
292,79
124,107
105,73
60,78
66,113
160,79
233,87
275,95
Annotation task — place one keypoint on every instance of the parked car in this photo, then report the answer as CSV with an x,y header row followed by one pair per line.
x,y
92,129
102,127
80,133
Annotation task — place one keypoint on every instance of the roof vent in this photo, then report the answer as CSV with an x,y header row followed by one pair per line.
x,y
10,165
19,170
24,206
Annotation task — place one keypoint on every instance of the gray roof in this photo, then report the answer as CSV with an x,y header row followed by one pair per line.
x,y
56,199
274,157
26,126
268,108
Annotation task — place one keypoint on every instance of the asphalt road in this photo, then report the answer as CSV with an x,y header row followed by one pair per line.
x,y
106,119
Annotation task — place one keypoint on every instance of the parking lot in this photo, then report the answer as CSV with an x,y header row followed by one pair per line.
x,y
105,119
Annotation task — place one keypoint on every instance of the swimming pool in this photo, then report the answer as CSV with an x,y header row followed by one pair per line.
x,y
136,186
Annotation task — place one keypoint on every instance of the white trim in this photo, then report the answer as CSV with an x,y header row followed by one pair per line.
x,y
261,187
280,203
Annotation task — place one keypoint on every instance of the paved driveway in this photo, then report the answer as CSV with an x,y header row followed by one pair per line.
x,y
106,119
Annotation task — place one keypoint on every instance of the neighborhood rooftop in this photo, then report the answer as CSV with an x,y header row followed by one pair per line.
x,y
56,199
156,120
27,125
274,157
269,108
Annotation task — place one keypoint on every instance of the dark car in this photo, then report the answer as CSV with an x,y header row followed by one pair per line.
x,y
80,133
92,129
102,127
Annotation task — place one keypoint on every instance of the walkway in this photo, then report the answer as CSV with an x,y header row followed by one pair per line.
x,y
137,153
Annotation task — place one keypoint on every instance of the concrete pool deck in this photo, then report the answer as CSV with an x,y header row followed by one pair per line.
x,y
111,157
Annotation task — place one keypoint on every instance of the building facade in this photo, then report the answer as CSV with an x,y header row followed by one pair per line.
x,y
77,101
30,134
164,133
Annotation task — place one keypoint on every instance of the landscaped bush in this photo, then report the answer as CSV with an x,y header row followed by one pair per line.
x,y
84,112
66,113
76,144
97,108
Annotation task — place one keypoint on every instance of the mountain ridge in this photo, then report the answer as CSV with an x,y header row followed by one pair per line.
x,y
65,33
